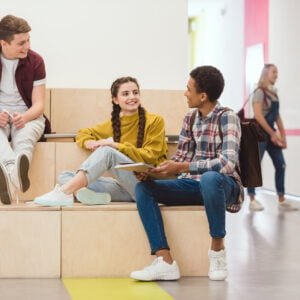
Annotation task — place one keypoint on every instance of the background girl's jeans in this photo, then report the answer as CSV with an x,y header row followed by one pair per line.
x,y
214,190
276,155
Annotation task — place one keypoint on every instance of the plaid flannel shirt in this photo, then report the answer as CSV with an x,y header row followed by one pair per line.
x,y
204,149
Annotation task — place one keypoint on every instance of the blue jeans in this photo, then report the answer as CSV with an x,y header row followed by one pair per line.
x,y
214,190
276,155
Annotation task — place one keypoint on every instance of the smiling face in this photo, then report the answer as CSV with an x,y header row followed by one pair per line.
x,y
128,98
17,48
194,98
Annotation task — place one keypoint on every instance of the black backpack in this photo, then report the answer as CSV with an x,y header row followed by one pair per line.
x,y
249,159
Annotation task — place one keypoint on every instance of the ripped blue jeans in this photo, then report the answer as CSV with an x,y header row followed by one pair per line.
x,y
276,155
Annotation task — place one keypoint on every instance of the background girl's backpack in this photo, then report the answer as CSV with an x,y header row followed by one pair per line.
x,y
249,158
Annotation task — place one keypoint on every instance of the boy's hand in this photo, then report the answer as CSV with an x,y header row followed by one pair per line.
x,y
142,176
170,167
18,120
4,118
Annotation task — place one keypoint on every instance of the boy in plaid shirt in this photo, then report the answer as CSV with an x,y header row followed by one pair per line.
x,y
205,163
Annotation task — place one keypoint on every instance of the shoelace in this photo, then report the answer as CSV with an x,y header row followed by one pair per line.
x,y
8,162
155,262
14,192
218,263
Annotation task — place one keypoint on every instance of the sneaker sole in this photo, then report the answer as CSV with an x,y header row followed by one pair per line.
x,y
23,164
162,278
53,204
5,195
88,197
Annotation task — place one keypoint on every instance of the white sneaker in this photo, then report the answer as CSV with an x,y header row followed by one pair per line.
x,y
287,206
255,205
89,197
19,173
218,266
7,190
55,198
158,270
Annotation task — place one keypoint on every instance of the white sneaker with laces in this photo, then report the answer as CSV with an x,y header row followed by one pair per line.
x,y
255,205
7,189
19,173
158,270
55,198
287,206
218,266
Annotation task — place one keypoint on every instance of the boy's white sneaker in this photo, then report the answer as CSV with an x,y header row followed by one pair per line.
x,y
19,173
217,265
55,198
158,270
7,189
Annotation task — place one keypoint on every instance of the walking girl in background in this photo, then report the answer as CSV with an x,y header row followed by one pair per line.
x,y
266,112
132,135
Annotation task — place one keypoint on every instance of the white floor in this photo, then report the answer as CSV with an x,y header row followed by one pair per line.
x,y
263,258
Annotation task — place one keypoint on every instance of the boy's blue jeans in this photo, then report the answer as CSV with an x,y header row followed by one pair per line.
x,y
214,191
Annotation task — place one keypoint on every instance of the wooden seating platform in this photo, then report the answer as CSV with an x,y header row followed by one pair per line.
x,y
92,241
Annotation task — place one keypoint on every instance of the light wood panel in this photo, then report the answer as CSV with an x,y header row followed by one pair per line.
x,y
171,105
30,242
69,156
41,172
72,109
109,241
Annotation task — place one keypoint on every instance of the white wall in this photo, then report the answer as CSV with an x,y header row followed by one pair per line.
x,y
284,45
284,40
222,44
89,43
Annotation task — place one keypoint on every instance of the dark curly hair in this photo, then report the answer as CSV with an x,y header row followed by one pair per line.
x,y
208,80
115,115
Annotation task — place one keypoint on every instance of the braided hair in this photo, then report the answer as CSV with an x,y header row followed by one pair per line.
x,y
115,115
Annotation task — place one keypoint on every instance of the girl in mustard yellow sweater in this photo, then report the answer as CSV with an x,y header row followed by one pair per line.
x,y
132,135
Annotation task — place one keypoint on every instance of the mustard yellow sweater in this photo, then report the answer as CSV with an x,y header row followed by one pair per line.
x,y
154,149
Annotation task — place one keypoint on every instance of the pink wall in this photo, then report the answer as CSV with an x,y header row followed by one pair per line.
x,y
256,28
257,24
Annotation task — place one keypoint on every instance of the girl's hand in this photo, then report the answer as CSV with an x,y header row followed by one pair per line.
x,y
93,145
278,141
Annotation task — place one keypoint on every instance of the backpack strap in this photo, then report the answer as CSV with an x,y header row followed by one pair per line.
x,y
221,134
192,120
219,121
249,97
193,144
